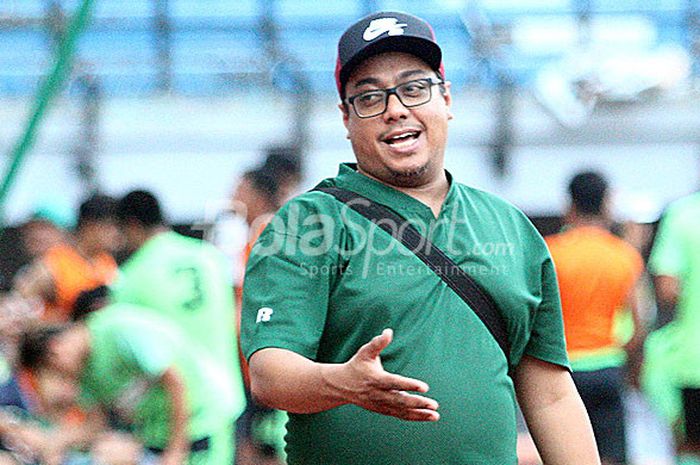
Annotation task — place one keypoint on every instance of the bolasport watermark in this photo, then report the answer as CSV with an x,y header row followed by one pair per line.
x,y
354,245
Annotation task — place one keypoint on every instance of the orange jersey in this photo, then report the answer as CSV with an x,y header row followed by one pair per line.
x,y
597,271
72,274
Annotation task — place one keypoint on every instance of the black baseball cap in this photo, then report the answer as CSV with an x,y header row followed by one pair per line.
x,y
385,31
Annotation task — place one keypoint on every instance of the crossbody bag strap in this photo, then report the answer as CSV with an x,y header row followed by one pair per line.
x,y
476,297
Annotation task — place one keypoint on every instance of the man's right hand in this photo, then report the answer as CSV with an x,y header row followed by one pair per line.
x,y
363,381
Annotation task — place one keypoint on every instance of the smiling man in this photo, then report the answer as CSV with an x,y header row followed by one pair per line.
x,y
380,358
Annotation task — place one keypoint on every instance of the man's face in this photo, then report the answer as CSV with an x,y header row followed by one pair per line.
x,y
104,234
403,146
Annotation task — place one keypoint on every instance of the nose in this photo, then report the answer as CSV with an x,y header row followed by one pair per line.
x,y
395,110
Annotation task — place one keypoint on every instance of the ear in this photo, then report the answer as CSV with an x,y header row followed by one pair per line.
x,y
344,109
445,90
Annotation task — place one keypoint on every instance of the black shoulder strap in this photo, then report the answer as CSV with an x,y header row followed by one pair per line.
x,y
452,274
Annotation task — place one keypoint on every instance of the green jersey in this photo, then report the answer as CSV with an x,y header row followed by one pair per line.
x,y
186,281
322,281
130,349
672,354
676,253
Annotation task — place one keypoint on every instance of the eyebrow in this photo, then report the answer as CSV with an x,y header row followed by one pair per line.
x,y
402,75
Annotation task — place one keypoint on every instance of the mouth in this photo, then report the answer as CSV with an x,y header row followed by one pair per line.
x,y
402,139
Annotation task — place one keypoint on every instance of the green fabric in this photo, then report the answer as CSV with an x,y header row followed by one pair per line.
x,y
5,370
672,354
599,360
186,281
676,252
322,282
130,350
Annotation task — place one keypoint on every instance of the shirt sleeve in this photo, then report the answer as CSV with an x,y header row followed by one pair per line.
x,y
288,280
547,340
145,351
667,255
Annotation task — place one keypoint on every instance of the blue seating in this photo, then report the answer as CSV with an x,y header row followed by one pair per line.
x,y
215,42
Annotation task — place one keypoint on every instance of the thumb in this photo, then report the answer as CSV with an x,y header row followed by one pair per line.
x,y
373,348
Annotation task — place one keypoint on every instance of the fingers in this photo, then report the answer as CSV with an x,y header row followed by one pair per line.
x,y
373,348
403,405
395,382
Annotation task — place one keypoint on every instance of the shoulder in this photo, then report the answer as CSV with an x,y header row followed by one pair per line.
x,y
489,207
485,201
307,211
685,207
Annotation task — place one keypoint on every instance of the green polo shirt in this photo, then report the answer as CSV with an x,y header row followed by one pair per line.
x,y
322,281
130,349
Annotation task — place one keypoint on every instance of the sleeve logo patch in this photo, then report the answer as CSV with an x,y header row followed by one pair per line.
x,y
264,315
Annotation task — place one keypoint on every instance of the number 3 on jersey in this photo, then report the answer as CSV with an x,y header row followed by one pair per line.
x,y
190,280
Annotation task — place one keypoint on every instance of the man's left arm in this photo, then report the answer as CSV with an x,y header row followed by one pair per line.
x,y
554,413
177,450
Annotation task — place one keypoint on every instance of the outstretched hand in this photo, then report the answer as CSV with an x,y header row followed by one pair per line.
x,y
363,381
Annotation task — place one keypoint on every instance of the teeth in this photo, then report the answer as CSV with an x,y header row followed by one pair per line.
x,y
403,136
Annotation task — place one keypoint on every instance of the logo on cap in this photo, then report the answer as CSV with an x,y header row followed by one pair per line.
x,y
379,26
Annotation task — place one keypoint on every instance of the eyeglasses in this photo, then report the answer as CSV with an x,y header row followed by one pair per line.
x,y
410,94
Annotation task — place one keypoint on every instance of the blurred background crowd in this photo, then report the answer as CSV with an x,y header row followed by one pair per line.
x,y
129,122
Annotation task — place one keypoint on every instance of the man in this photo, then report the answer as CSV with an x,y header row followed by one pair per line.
x,y
326,293
140,366
181,279
597,274
68,268
672,353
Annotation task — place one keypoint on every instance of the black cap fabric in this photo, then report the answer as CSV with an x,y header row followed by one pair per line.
x,y
386,31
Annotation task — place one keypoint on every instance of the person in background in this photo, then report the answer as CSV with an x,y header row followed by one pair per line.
x,y
183,280
139,365
81,262
257,198
597,274
672,354
283,162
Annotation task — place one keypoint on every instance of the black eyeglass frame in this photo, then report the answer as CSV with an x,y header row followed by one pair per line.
x,y
432,81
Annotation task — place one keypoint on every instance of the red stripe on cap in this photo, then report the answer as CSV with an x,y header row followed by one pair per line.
x,y
337,74
442,63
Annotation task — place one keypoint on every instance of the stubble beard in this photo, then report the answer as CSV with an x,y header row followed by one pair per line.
x,y
409,178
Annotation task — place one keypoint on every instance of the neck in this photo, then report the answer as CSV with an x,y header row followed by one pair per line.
x,y
589,220
432,193
151,232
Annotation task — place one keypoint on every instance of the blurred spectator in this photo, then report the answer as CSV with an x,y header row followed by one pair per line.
x,y
261,430
15,314
183,280
75,264
284,163
672,371
135,363
598,274
256,199
39,235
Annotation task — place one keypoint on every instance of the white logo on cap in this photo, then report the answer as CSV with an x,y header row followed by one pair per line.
x,y
379,26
